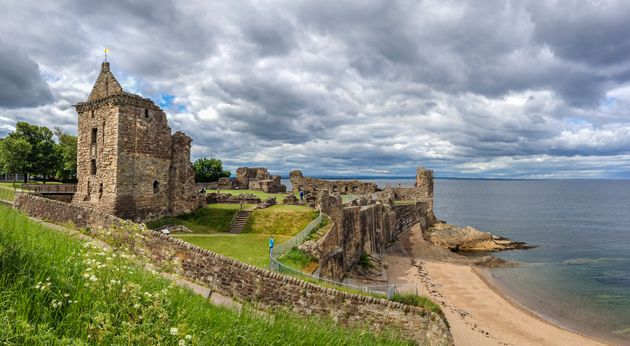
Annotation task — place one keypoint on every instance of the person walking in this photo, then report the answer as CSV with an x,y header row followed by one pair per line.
x,y
271,244
301,195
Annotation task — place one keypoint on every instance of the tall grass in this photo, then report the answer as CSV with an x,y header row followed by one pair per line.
x,y
57,290
280,219
7,192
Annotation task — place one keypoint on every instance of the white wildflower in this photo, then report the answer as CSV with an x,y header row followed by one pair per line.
x,y
173,331
188,337
181,342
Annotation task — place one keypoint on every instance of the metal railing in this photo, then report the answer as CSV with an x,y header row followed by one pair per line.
x,y
50,188
298,238
388,290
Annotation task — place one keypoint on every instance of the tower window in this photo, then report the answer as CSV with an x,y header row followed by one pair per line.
x,y
100,190
94,135
146,113
92,114
156,187
93,167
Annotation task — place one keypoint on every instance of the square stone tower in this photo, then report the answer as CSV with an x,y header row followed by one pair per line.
x,y
128,163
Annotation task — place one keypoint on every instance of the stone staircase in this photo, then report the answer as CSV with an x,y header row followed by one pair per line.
x,y
239,221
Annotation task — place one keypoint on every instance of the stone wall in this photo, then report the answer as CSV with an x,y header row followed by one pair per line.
x,y
364,229
60,212
271,290
253,178
313,185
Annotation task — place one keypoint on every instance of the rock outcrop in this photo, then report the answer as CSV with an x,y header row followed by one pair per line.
x,y
469,239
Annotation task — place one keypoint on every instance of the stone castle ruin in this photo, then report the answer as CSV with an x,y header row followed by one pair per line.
x,y
257,178
367,226
128,162
312,185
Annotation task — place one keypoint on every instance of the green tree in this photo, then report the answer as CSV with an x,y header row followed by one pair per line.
x,y
209,169
67,147
14,153
44,158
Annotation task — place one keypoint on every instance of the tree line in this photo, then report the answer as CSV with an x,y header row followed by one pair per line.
x,y
33,150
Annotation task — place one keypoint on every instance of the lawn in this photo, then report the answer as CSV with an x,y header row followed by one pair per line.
x,y
280,219
58,290
211,219
7,192
262,195
250,248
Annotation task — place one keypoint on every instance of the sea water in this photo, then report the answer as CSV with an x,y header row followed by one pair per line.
x,y
579,274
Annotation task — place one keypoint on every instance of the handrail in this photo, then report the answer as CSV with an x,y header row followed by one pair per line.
x,y
388,289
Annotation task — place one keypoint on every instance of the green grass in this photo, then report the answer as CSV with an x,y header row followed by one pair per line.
x,y
412,299
6,192
211,219
57,290
250,248
262,195
280,220
298,259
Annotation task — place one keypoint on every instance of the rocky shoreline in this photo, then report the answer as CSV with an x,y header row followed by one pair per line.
x,y
468,239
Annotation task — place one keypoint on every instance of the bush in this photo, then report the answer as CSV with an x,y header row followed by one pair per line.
x,y
364,261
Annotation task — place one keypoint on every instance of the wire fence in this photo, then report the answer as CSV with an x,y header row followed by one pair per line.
x,y
386,290
298,238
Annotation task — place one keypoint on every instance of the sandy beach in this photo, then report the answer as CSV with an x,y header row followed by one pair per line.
x,y
477,311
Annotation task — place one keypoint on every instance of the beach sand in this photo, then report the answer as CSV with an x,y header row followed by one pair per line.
x,y
476,309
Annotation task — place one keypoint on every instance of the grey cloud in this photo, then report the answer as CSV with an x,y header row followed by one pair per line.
x,y
492,88
21,83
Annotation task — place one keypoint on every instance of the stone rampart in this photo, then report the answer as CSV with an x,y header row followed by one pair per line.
x,y
312,185
271,290
61,212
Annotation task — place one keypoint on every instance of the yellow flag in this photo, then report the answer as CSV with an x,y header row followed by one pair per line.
x,y
106,50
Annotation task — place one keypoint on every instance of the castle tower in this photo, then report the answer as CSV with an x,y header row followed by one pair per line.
x,y
128,163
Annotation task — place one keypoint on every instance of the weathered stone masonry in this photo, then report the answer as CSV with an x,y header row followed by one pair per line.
x,y
128,163
266,289
311,185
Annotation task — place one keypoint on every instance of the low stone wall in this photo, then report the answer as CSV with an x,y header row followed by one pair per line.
x,y
61,212
267,289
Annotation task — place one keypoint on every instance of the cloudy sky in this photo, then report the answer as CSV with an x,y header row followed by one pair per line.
x,y
506,89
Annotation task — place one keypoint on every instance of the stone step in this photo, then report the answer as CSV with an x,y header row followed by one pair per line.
x,y
240,221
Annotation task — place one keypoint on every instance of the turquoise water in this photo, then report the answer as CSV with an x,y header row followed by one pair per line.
x,y
579,275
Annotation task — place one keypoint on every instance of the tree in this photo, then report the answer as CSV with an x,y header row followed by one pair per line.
x,y
44,158
209,169
14,153
67,148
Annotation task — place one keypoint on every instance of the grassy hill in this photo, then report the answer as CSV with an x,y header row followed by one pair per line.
x,y
59,290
